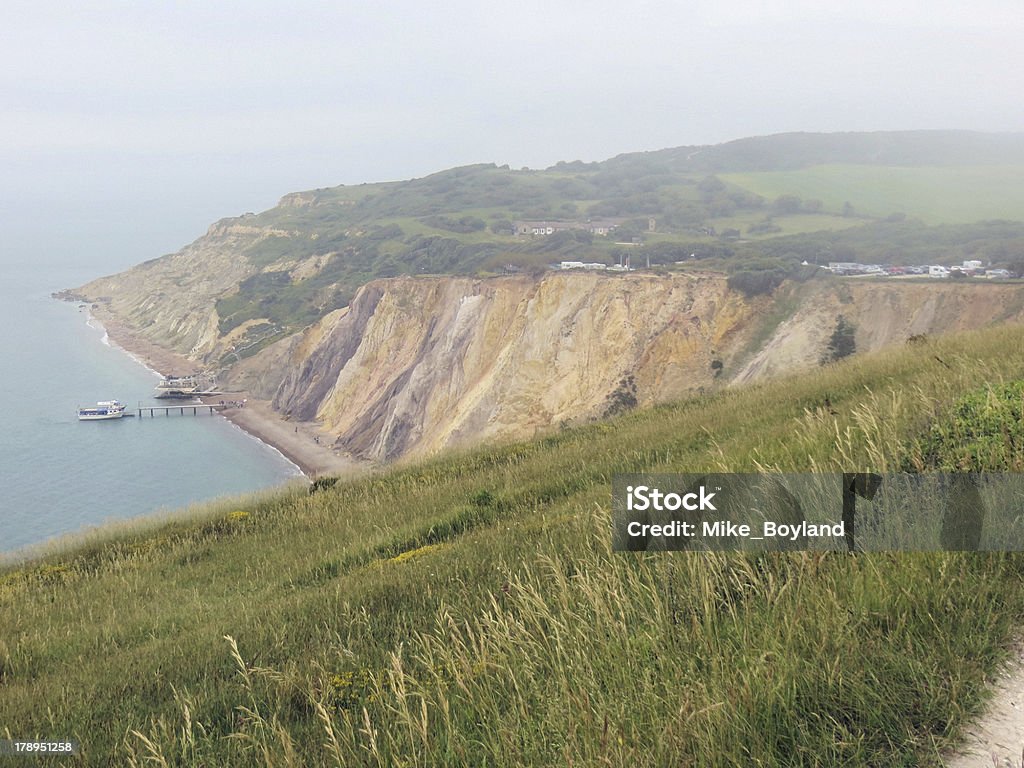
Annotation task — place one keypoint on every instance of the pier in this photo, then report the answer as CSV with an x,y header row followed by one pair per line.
x,y
183,410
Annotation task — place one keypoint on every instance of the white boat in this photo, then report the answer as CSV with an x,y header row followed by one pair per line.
x,y
104,409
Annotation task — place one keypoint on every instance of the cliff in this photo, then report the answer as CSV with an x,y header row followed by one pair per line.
x,y
420,364
883,313
416,365
170,301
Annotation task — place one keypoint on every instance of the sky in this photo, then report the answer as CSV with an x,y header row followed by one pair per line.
x,y
135,125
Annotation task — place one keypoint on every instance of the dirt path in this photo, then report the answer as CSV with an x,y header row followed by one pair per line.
x,y
997,739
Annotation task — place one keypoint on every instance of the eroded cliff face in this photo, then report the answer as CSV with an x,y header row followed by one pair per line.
x,y
416,365
420,364
170,301
883,313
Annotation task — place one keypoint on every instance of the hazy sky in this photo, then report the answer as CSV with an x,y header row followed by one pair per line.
x,y
149,120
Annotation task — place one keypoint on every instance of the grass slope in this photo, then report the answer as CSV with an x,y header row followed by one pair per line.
x,y
949,194
468,611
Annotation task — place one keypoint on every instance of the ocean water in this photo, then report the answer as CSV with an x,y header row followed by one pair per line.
x,y
60,475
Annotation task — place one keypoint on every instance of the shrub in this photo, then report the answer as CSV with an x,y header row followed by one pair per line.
x,y
623,398
984,432
754,282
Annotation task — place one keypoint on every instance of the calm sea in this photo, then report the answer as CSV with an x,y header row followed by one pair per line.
x,y
60,475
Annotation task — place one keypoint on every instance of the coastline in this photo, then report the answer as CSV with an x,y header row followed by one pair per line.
x,y
304,444
296,441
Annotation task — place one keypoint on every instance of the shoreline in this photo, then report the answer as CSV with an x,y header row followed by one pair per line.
x,y
303,444
295,440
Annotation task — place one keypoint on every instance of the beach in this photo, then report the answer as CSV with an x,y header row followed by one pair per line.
x,y
297,441
303,443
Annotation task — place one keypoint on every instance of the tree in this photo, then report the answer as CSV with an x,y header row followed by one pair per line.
x,y
764,227
710,186
786,204
841,344
623,398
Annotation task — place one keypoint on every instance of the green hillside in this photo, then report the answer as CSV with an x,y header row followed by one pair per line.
x,y
934,194
468,611
790,151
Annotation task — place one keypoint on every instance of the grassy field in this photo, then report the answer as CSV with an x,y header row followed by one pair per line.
x,y
934,194
468,610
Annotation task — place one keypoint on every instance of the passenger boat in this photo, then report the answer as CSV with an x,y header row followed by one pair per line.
x,y
187,387
177,387
105,409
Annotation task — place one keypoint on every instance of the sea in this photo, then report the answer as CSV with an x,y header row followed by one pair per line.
x,y
61,476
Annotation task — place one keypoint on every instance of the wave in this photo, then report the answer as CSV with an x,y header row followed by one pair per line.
x,y
96,325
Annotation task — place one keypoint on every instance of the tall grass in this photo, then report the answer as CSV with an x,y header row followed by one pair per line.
x,y
467,610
